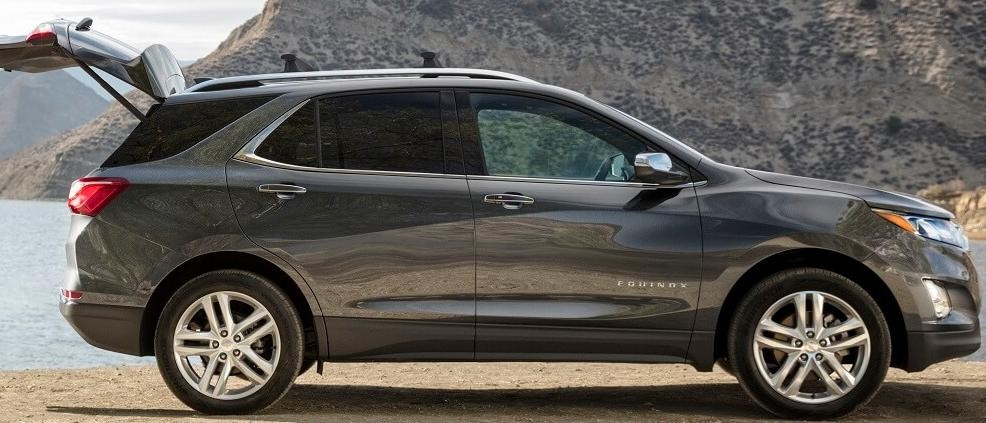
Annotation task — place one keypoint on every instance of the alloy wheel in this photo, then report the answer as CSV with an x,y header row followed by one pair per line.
x,y
811,347
227,345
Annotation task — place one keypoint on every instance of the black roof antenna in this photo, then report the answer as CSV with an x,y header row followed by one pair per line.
x,y
430,60
293,64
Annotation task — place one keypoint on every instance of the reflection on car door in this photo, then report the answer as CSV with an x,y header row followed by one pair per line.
x,y
575,260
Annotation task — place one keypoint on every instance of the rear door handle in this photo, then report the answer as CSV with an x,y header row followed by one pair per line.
x,y
283,191
508,200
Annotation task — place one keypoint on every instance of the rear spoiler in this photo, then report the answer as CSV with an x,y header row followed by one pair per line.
x,y
61,44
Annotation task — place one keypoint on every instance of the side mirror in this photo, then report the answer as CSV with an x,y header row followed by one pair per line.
x,y
656,168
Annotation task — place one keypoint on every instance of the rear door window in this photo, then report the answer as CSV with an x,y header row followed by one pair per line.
x,y
396,132
173,129
389,132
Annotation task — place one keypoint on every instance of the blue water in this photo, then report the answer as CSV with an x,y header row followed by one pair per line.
x,y
32,267
32,264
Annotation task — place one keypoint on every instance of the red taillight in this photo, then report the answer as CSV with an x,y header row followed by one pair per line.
x,y
90,194
70,295
43,34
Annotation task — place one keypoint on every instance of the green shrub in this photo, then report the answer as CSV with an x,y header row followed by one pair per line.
x,y
868,4
535,8
438,9
552,23
893,125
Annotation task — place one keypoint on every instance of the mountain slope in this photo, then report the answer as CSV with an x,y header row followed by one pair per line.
x,y
968,204
891,96
35,107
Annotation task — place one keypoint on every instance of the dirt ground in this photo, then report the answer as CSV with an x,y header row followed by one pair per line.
x,y
494,392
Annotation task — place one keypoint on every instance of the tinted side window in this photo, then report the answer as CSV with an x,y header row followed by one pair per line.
x,y
528,137
175,128
294,141
390,132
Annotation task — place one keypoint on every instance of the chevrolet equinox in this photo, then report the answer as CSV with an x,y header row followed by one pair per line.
x,y
252,227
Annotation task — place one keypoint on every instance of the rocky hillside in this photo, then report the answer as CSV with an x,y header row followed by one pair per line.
x,y
882,92
969,205
34,107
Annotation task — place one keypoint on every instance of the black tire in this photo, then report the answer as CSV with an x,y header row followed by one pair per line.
x,y
726,366
306,365
281,310
759,299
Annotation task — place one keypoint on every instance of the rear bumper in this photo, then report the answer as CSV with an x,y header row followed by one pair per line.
x,y
110,327
927,348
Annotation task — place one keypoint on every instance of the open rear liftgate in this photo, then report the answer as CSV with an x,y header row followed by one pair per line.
x,y
61,44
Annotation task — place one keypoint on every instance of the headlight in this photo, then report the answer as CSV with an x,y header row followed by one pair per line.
x,y
942,230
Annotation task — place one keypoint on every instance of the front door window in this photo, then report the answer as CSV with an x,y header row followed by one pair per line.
x,y
528,137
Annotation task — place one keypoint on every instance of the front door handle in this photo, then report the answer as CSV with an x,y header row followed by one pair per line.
x,y
283,191
510,201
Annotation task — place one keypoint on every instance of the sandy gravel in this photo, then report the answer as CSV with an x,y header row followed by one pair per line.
x,y
493,392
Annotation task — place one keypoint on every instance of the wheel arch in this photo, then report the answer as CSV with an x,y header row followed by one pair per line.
x,y
823,259
314,330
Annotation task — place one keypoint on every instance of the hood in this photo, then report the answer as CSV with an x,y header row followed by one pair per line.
x,y
876,198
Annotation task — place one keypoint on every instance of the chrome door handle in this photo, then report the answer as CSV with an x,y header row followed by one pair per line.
x,y
283,191
509,201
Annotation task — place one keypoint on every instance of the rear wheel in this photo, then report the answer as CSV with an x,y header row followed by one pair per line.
x,y
809,344
229,342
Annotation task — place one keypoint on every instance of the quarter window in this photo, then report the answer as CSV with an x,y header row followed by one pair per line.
x,y
529,137
295,141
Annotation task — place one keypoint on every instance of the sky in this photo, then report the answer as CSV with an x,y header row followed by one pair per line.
x,y
190,28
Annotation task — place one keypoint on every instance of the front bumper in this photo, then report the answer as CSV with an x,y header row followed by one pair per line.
x,y
953,336
110,327
927,348
904,261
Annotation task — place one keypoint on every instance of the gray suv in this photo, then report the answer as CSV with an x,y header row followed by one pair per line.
x,y
253,227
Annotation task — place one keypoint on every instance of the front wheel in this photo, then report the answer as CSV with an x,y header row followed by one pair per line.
x,y
229,342
809,344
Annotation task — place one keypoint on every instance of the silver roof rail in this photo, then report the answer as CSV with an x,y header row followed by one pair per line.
x,y
257,80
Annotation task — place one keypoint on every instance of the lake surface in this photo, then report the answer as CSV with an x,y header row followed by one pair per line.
x,y
32,268
32,265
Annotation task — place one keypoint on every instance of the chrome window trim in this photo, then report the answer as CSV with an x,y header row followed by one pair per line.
x,y
582,182
255,159
261,136
247,154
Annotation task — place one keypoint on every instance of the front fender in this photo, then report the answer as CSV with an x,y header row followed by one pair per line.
x,y
746,221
